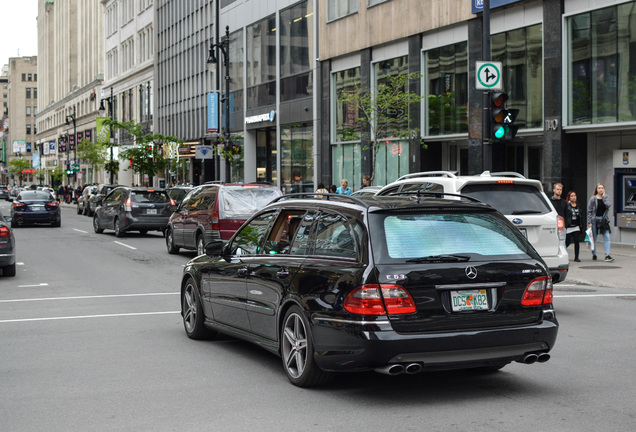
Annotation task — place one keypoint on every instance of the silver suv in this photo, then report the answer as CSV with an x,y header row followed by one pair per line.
x,y
520,199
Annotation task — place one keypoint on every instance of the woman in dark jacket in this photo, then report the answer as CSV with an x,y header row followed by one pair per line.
x,y
573,224
598,219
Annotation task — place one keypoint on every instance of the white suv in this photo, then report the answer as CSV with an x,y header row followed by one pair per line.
x,y
520,199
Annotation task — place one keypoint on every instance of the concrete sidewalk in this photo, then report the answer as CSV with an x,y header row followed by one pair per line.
x,y
621,273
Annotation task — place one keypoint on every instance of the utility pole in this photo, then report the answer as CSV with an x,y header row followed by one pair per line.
x,y
486,163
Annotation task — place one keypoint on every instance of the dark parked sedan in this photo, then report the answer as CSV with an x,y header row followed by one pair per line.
x,y
389,284
35,207
7,247
133,209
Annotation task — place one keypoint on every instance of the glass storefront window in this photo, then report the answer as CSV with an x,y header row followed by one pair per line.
x,y
345,116
391,161
447,77
521,53
602,75
297,158
383,70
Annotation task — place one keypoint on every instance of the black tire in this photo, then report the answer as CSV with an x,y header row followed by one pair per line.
x,y
96,226
57,223
200,245
9,270
172,249
192,313
14,224
297,351
143,232
117,227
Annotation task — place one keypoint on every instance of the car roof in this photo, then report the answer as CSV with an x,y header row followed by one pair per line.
x,y
451,178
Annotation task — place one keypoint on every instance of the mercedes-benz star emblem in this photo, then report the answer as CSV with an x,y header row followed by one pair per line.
x,y
471,272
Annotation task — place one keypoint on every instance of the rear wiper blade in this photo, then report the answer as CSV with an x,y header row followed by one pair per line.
x,y
440,258
519,212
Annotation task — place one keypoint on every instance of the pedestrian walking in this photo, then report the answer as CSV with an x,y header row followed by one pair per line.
x,y
598,219
333,189
321,188
344,187
573,224
557,199
366,181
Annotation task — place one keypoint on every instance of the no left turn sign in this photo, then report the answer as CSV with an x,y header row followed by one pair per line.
x,y
488,76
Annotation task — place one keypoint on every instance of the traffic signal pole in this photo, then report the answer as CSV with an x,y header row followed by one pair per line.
x,y
486,153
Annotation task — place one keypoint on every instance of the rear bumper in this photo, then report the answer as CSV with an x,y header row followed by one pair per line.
x,y
7,259
152,223
36,217
342,346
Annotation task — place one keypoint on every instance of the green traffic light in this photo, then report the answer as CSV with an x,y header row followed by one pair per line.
x,y
500,132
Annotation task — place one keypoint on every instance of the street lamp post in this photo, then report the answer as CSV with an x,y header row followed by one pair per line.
x,y
74,120
109,100
224,46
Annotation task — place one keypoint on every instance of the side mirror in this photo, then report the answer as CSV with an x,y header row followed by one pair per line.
x,y
215,248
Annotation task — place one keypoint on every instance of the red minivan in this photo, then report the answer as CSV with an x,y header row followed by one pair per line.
x,y
214,212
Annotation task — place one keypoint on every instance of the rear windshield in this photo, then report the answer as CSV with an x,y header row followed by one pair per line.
x,y
475,235
35,196
149,197
242,202
509,198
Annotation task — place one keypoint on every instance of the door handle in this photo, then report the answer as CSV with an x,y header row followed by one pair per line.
x,y
282,273
241,272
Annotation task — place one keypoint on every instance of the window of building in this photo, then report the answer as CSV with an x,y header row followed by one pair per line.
x,y
296,55
601,71
382,71
447,89
29,77
297,160
261,63
521,53
345,116
375,2
340,8
35,93
28,129
237,54
28,111
28,93
23,77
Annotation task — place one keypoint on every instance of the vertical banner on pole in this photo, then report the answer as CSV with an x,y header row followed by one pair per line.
x,y
213,112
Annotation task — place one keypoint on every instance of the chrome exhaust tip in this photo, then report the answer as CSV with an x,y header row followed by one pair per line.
x,y
392,369
413,368
529,359
544,357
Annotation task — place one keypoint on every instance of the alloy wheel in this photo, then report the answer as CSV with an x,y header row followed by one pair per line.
x,y
189,308
294,345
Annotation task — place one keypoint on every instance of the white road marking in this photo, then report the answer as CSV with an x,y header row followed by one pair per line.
x,y
85,297
593,295
19,263
124,244
83,232
31,286
87,316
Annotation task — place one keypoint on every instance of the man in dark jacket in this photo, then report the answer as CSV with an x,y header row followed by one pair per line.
x,y
558,201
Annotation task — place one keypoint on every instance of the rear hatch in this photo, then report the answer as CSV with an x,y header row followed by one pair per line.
x,y
150,204
239,202
463,270
526,207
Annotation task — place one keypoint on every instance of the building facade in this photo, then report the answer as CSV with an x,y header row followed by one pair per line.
x,y
128,87
566,66
21,110
71,71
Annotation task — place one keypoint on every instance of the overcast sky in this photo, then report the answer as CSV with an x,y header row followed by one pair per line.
x,y
18,29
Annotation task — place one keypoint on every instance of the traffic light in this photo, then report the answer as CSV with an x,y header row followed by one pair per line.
x,y
503,128
69,171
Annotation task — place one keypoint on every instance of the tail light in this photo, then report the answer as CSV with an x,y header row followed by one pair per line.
x,y
538,292
128,205
52,204
379,300
561,227
5,233
172,202
18,205
215,220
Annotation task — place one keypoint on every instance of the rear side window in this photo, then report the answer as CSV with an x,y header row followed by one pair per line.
x,y
509,198
333,237
149,197
418,235
242,202
422,187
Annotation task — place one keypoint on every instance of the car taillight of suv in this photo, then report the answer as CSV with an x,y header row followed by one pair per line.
x,y
379,300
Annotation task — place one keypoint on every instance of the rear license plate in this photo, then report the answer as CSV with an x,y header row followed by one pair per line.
x,y
37,207
524,232
469,300
151,211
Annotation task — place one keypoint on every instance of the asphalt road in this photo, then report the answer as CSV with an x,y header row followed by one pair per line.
x,y
91,340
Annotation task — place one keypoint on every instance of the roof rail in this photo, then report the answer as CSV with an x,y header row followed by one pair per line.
x,y
502,174
323,196
419,194
448,174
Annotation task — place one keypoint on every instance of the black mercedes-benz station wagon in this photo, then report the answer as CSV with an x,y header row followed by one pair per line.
x,y
398,285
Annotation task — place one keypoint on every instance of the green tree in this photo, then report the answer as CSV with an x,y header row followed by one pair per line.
x,y
94,153
145,156
386,112
40,174
18,165
56,176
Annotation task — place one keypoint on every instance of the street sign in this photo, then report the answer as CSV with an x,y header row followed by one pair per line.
x,y
75,167
488,75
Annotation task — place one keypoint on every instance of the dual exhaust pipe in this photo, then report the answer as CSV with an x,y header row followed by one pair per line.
x,y
534,358
398,368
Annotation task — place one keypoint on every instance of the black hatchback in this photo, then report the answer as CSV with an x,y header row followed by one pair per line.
x,y
133,209
396,285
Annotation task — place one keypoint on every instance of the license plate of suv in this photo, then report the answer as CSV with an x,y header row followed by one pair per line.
x,y
466,300
151,211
